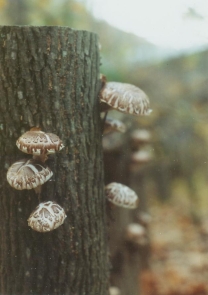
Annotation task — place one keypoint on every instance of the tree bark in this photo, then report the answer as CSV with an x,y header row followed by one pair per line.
x,y
49,78
125,262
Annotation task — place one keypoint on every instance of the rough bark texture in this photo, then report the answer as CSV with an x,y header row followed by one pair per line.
x,y
49,78
127,259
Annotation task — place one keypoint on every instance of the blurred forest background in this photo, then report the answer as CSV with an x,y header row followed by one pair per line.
x,y
177,177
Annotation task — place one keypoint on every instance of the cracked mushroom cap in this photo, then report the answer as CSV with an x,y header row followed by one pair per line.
x,y
125,98
121,195
28,174
46,217
112,125
39,142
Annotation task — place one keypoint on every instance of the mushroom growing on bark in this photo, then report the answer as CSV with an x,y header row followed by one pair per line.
x,y
140,136
46,217
136,234
114,291
121,195
125,98
112,125
39,144
141,157
28,174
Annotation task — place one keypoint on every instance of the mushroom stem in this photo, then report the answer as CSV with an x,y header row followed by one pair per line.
x,y
38,192
42,158
103,121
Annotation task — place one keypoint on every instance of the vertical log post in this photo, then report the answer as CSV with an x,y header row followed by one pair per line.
x,y
49,78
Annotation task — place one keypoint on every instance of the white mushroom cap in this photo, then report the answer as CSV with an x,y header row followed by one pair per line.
x,y
46,217
39,142
114,125
144,218
121,195
125,98
140,136
114,291
112,142
136,233
28,174
141,157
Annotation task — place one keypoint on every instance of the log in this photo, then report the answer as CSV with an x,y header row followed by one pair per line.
x,y
49,79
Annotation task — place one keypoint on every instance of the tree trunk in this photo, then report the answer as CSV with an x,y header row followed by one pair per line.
x,y
125,261
49,78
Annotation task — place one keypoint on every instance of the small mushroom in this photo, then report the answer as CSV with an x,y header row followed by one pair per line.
x,y
125,98
114,291
112,142
39,143
141,157
140,136
136,234
112,125
46,217
144,218
28,174
121,195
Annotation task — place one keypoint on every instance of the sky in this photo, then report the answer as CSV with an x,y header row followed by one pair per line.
x,y
176,24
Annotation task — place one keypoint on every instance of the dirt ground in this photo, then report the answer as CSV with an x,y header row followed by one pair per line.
x,y
179,259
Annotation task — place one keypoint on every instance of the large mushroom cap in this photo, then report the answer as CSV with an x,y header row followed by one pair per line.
x,y
126,98
121,195
39,142
46,217
28,174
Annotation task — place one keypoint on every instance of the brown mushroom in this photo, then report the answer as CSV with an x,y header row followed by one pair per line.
x,y
121,195
39,143
125,98
46,217
28,174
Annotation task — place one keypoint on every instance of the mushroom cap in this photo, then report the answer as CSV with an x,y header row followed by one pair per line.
x,y
28,174
135,230
141,157
136,233
144,218
46,217
125,98
112,142
114,290
140,136
114,125
121,195
39,142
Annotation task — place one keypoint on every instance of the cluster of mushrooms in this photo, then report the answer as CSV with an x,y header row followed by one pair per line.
x,y
33,173
128,99
132,100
